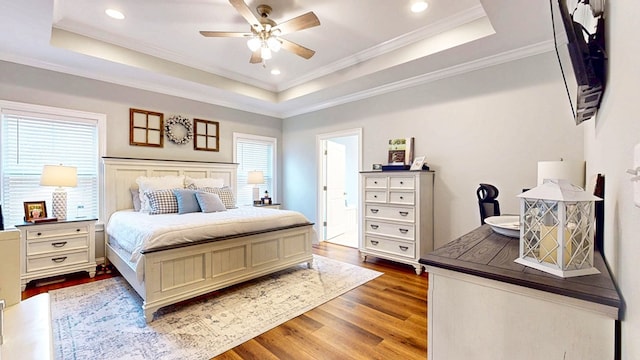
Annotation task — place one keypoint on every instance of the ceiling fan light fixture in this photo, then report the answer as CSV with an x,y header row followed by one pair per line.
x,y
115,14
419,6
254,43
265,53
274,44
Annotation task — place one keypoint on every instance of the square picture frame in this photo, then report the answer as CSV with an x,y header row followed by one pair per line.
x,y
417,163
34,210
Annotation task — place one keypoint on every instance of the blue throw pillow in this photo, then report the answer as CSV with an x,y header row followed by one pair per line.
x,y
210,202
187,202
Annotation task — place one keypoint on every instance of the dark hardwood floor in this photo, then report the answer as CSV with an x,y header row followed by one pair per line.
x,y
385,318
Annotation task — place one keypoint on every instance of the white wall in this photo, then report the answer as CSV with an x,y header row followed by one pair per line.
x,y
492,125
609,142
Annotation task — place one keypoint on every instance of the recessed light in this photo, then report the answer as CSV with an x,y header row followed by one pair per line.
x,y
275,72
114,14
419,6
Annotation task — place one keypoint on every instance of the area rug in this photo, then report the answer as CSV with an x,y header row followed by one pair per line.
x,y
104,319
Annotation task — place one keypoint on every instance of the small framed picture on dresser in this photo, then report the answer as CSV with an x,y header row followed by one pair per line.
x,y
417,163
34,210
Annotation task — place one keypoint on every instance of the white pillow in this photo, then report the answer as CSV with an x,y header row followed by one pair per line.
x,y
192,183
154,183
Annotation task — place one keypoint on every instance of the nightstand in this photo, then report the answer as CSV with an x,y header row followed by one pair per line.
x,y
269,206
56,248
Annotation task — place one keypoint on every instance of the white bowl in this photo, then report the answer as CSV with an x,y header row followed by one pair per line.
x,y
508,225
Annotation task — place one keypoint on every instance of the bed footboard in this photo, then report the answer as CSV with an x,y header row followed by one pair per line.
x,y
179,274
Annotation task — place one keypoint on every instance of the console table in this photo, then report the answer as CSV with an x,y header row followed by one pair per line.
x,y
482,305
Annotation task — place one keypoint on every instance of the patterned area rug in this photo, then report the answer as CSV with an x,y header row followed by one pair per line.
x,y
104,319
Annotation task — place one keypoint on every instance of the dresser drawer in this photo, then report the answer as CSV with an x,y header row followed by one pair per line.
x,y
42,231
402,182
35,263
390,246
400,231
375,182
390,213
402,197
35,247
375,196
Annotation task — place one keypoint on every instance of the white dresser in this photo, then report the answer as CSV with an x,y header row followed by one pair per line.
x,y
397,215
56,248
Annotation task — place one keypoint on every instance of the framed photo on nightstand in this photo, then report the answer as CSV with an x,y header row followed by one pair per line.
x,y
417,163
34,210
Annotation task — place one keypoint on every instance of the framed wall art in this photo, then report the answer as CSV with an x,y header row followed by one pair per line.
x,y
146,128
207,135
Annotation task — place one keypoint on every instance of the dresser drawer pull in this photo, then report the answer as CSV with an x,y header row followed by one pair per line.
x,y
59,244
403,248
375,196
59,259
404,213
404,231
375,211
375,242
78,230
375,182
39,234
374,227
401,182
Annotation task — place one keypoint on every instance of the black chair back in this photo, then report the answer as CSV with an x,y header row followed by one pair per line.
x,y
1,219
487,202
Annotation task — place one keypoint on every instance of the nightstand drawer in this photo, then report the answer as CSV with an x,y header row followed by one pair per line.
x,y
66,244
391,246
408,183
401,231
35,263
401,197
43,231
390,213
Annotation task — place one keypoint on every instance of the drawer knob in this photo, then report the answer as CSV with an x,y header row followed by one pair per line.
x,y
404,231
375,242
403,248
59,259
39,234
375,182
401,197
401,182
404,213
77,230
375,196
375,211
374,226
59,244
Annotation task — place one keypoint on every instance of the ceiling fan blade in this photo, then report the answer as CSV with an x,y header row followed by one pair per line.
x,y
256,57
224,34
246,13
301,22
297,49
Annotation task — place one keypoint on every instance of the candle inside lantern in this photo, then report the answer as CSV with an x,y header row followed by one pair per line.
x,y
549,244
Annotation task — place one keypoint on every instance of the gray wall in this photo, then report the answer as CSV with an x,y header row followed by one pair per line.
x,y
491,125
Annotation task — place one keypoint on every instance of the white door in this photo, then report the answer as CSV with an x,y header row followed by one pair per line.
x,y
336,209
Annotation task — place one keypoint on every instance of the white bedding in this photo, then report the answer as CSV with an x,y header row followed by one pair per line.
x,y
138,231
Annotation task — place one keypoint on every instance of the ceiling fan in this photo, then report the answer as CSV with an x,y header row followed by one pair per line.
x,y
265,36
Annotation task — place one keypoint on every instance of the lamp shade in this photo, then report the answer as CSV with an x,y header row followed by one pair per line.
x,y
58,175
568,170
255,177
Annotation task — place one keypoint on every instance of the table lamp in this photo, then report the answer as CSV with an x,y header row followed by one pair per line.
x,y
60,176
255,178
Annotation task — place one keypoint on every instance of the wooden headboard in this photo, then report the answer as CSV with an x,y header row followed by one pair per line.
x,y
120,176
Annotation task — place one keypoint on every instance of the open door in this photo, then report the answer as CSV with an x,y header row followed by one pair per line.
x,y
336,209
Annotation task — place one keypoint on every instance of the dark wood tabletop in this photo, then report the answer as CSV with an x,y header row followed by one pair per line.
x,y
484,253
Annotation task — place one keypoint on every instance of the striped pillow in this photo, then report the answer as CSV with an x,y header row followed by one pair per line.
x,y
162,202
225,194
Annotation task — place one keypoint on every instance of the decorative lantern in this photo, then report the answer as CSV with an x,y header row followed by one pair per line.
x,y
556,235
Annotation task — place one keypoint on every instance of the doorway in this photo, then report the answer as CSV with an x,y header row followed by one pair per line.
x,y
338,194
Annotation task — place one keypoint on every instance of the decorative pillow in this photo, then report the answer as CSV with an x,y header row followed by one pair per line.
x,y
187,202
192,183
209,202
225,194
162,202
135,198
152,183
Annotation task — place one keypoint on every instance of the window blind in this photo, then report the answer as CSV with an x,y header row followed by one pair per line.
x,y
254,153
29,143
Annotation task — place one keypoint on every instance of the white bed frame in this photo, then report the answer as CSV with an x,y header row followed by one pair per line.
x,y
183,273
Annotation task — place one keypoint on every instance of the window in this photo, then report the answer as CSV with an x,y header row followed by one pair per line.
x,y
33,136
253,152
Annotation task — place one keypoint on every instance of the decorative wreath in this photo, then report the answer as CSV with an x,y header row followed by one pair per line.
x,y
182,121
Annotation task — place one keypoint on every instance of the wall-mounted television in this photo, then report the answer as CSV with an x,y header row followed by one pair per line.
x,y
584,54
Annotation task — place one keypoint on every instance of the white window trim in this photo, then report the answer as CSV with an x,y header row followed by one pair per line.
x,y
40,111
267,139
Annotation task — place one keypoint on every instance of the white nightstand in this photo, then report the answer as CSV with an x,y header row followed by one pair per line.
x,y
268,206
56,248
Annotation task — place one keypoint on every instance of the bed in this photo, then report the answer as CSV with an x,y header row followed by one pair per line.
x,y
179,267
